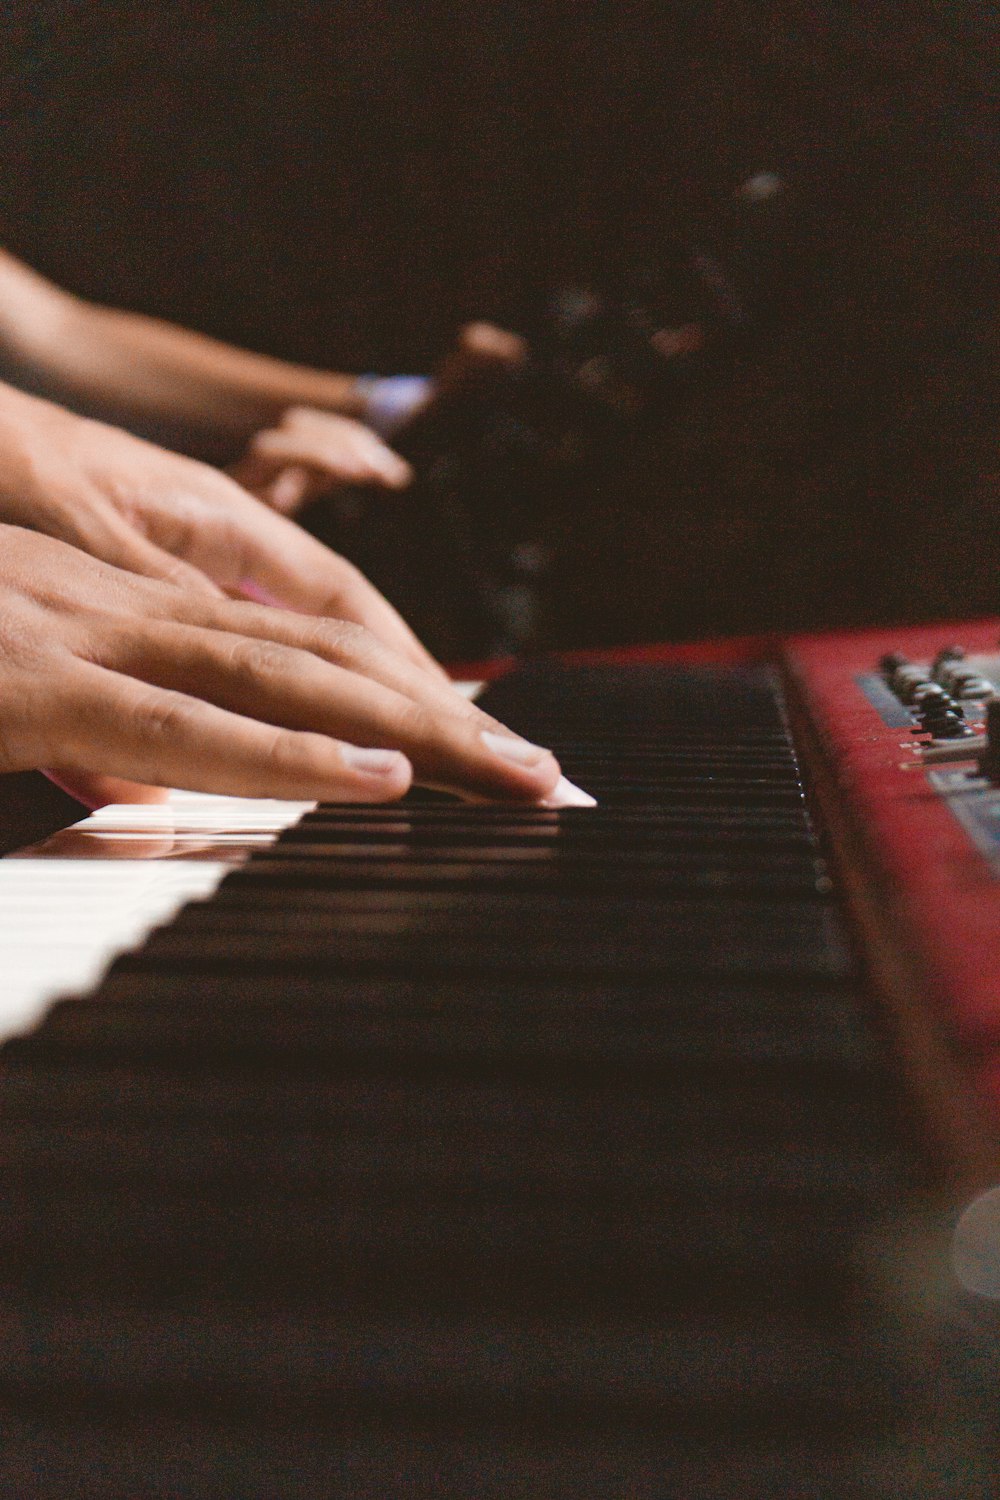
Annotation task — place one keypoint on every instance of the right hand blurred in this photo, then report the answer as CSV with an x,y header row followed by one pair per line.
x,y
105,673
308,453
480,354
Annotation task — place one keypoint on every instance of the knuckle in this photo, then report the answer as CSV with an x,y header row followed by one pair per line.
x,y
281,750
343,642
165,715
185,578
290,754
258,660
23,637
417,725
176,572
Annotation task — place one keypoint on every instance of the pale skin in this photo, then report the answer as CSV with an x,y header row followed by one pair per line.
x,y
300,425
111,679
140,507
105,675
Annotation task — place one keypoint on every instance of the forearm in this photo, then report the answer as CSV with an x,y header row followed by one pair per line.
x,y
134,367
138,367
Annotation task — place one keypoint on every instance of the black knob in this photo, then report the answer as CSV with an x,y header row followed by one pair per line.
x,y
945,656
946,724
971,685
932,693
978,687
909,687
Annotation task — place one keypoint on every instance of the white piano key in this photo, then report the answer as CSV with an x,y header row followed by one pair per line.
x,y
65,918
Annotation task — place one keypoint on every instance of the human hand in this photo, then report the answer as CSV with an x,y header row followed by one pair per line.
x,y
107,674
308,453
140,507
480,354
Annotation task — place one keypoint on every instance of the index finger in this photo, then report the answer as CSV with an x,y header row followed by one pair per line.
x,y
113,724
297,572
360,457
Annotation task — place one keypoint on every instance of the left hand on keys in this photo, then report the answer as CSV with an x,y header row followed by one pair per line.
x,y
129,503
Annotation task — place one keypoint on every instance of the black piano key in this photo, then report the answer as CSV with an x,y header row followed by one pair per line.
x,y
310,1020
247,1246
511,874
722,1103
442,931
718,840
443,1374
119,1457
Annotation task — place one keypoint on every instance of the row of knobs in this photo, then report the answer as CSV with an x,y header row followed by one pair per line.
x,y
934,698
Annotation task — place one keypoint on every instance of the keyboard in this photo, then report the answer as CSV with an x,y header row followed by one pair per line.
x,y
479,1151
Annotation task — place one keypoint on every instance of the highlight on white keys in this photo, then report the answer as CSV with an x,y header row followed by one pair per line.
x,y
71,905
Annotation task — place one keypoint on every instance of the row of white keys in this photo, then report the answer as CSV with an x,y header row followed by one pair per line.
x,y
70,905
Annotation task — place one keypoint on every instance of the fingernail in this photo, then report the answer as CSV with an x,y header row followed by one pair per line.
x,y
372,762
565,794
518,752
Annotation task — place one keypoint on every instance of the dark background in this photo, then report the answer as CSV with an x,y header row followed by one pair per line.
x,y
344,183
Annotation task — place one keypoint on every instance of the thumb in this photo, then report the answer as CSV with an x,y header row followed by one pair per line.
x,y
94,790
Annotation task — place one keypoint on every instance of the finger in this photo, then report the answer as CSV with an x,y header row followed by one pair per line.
x,y
288,491
481,350
111,724
298,571
272,559
285,491
333,434
339,642
113,540
345,644
489,344
99,791
298,690
361,458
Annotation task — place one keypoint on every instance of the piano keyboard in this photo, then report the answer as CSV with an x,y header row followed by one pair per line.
x,y
476,1152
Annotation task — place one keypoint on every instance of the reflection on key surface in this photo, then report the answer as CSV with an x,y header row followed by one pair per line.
x,y
71,904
